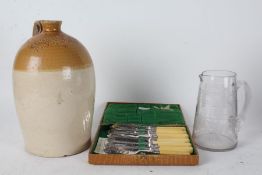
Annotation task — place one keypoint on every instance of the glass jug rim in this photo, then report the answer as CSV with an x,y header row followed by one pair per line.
x,y
218,73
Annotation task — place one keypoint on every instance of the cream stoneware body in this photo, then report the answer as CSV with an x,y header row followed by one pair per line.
x,y
54,89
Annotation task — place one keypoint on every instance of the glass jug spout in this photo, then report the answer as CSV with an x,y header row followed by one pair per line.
x,y
200,77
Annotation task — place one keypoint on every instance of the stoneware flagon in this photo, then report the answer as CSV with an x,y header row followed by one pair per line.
x,y
54,89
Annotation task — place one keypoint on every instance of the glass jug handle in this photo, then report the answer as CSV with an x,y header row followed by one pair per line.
x,y
247,96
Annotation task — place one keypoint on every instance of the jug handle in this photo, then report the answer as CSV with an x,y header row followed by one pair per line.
x,y
38,28
247,96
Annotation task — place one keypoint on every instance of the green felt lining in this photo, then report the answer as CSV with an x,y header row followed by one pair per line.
x,y
143,113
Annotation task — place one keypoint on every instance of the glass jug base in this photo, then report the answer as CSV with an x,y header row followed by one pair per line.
x,y
214,142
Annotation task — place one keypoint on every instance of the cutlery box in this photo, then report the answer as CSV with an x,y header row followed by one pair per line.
x,y
153,114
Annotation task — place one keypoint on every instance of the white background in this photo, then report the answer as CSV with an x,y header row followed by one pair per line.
x,y
143,51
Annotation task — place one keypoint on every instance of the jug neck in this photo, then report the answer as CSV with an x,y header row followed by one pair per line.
x,y
46,26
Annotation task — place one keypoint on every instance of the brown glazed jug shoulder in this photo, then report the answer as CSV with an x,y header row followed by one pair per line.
x,y
51,49
54,89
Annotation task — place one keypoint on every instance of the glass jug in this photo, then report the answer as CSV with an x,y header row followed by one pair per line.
x,y
217,119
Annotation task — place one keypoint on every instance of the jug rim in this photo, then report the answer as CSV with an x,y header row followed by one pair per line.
x,y
218,73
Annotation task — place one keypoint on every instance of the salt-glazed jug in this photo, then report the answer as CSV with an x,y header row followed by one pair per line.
x,y
54,90
217,117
